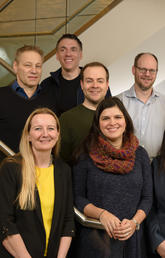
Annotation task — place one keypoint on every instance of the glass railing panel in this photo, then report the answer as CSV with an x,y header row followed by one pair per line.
x,y
22,19
5,77
96,7
48,42
79,21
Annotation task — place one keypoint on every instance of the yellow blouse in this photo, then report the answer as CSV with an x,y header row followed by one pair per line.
x,y
46,189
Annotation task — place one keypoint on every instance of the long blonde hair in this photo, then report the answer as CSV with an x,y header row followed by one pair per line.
x,y
26,197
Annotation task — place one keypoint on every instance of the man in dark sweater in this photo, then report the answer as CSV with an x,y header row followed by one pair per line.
x,y
24,95
76,122
66,80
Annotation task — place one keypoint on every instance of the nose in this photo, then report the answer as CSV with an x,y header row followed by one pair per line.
x,y
95,85
147,72
45,132
33,69
68,52
112,121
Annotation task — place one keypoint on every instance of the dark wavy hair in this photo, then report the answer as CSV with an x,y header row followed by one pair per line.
x,y
92,139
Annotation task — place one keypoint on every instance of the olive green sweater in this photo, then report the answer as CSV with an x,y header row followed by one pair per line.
x,y
75,126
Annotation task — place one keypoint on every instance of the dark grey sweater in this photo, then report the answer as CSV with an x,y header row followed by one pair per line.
x,y
122,195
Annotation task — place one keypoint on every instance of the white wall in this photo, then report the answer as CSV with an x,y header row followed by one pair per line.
x,y
131,27
121,77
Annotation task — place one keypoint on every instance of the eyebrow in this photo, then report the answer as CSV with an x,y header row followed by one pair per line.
x,y
100,78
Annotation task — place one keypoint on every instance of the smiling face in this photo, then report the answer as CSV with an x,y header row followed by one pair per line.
x,y
145,80
43,133
112,125
94,85
69,54
28,69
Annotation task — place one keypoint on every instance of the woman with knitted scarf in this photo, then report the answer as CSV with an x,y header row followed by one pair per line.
x,y
112,183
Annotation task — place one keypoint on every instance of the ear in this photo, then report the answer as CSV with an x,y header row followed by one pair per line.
x,y
58,134
107,85
81,83
29,138
15,66
57,56
133,70
81,55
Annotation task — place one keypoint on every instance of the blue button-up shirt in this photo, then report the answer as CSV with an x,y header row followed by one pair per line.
x,y
20,91
148,118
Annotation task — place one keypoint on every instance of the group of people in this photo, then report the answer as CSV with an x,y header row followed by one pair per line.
x,y
108,143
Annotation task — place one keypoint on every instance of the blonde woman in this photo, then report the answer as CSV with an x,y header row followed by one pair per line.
x,y
36,218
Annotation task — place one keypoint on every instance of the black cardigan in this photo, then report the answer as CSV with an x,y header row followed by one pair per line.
x,y
29,224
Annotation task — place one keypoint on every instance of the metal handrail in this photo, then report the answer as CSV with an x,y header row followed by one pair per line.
x,y
5,4
80,217
6,66
86,221
5,149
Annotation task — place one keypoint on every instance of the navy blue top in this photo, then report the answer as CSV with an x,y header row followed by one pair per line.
x,y
120,194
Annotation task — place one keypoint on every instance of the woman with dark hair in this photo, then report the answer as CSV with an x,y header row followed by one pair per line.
x,y
36,218
112,183
156,218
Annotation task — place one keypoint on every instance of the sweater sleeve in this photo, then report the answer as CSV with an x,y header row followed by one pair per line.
x,y
8,193
66,139
69,227
147,192
80,173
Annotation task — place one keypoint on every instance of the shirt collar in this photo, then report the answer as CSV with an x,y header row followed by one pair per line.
x,y
132,94
21,92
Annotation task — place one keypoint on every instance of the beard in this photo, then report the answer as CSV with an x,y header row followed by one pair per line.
x,y
142,86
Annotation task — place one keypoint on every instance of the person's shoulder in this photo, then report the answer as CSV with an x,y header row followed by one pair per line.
x,y
11,165
52,79
156,161
5,89
47,82
64,167
124,93
142,154
71,113
140,149
160,96
83,160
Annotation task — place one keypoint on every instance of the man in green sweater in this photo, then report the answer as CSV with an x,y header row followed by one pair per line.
x,y
76,123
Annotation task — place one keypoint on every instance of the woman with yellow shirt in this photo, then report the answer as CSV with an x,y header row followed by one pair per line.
x,y
36,217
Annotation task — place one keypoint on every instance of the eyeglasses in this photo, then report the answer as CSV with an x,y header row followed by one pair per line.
x,y
144,70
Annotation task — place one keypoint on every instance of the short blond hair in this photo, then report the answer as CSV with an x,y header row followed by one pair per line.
x,y
26,48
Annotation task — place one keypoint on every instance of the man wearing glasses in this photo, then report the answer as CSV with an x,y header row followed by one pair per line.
x,y
145,105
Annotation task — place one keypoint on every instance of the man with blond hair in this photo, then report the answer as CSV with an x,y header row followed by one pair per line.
x,y
24,95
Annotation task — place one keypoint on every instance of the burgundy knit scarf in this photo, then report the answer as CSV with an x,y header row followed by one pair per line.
x,y
110,159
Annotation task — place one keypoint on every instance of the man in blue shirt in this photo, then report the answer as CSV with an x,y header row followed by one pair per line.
x,y
24,95
145,105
